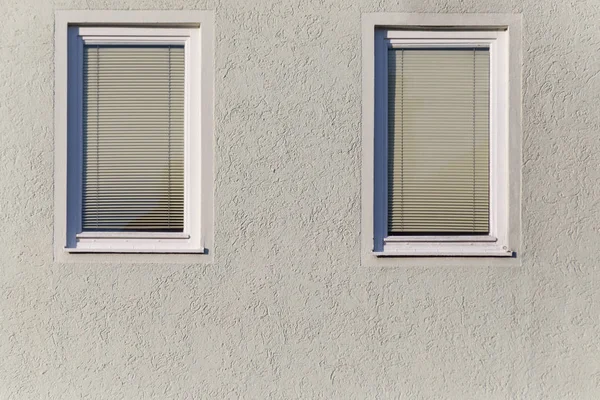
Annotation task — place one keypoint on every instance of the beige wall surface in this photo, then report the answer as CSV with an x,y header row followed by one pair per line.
x,y
285,309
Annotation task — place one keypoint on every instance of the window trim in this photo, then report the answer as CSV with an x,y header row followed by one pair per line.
x,y
193,29
383,29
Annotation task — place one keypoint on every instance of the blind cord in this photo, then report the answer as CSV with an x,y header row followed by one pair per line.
x,y
474,144
169,153
97,133
402,142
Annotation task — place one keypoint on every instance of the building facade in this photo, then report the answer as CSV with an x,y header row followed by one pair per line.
x,y
287,299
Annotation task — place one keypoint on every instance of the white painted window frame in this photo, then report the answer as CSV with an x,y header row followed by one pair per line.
x,y
381,30
195,31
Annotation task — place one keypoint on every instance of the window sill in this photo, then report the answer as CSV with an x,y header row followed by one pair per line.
x,y
134,250
443,249
135,242
129,256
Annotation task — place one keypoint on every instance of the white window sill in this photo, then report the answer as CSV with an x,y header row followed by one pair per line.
x,y
134,250
135,242
444,248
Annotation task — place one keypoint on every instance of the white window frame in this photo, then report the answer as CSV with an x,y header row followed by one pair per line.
x,y
194,31
471,32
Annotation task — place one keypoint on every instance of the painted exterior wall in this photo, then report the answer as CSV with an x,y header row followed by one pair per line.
x,y
285,309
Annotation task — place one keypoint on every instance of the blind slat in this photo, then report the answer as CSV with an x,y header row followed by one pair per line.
x,y
133,125
438,141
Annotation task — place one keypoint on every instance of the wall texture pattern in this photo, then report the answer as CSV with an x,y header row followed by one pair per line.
x,y
286,310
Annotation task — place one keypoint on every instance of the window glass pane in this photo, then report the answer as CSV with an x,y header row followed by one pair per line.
x,y
438,141
133,146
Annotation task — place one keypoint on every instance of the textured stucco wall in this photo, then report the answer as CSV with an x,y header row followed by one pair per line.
x,y
286,310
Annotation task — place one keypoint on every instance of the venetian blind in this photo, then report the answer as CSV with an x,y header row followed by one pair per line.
x,y
438,140
133,147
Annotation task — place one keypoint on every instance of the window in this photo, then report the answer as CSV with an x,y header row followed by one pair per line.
x,y
138,123
438,140
441,173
